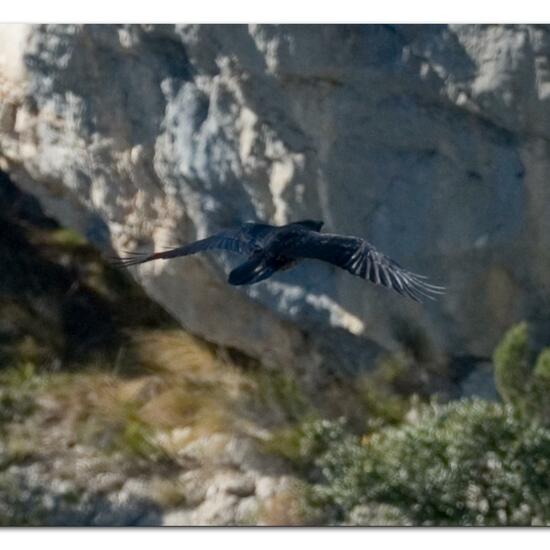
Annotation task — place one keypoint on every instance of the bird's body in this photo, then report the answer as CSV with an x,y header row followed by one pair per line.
x,y
277,248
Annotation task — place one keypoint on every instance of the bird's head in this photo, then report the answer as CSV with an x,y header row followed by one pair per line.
x,y
313,225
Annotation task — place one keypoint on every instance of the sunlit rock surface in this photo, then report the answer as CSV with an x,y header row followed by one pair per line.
x,y
431,141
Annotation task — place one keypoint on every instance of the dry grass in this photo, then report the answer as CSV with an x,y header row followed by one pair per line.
x,y
166,389
162,380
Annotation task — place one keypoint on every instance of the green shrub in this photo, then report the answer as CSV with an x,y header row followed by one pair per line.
x,y
468,463
521,380
512,366
542,366
304,442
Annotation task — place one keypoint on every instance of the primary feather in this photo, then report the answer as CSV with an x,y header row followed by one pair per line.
x,y
360,258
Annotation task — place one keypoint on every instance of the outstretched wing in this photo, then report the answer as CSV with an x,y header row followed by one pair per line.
x,y
245,240
361,258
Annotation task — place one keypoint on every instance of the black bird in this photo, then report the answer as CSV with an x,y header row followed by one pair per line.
x,y
270,248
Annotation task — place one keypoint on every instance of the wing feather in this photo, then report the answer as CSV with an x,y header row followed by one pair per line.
x,y
362,259
245,240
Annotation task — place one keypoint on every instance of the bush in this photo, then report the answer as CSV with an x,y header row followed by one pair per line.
x,y
522,379
512,370
468,463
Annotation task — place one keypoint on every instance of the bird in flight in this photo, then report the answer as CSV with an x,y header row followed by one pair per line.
x,y
272,248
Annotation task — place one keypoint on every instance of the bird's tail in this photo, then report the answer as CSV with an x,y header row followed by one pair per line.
x,y
252,271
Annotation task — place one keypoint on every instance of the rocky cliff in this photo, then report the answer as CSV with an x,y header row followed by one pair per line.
x,y
431,141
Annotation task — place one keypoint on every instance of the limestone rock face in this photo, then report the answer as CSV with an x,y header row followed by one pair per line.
x,y
431,141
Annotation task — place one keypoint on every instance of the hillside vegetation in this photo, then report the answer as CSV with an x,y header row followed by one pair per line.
x,y
111,414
